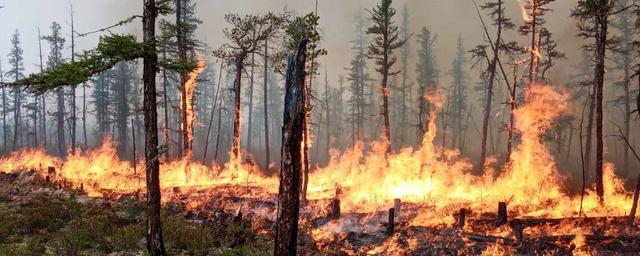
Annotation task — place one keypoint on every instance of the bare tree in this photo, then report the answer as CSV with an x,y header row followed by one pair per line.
x,y
291,164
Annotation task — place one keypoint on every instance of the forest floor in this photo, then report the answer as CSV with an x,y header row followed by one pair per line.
x,y
40,218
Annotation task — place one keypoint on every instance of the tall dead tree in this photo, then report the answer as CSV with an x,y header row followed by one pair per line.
x,y
43,103
291,163
381,49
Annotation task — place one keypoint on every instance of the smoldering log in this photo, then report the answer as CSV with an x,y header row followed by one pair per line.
x,y
286,234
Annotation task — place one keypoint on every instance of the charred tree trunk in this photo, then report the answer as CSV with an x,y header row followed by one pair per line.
x,y
182,55
266,103
4,111
250,121
589,136
601,41
155,246
292,131
62,146
235,148
512,117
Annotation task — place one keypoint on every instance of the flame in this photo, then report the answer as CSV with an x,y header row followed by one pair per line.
x,y
367,179
190,89
523,10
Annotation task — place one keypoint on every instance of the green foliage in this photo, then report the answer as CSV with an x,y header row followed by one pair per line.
x,y
296,29
111,50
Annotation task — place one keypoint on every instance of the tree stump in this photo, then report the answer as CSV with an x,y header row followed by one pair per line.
x,y
502,214
390,223
333,209
461,218
397,204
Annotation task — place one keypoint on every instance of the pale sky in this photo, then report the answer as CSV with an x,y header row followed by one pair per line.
x,y
447,18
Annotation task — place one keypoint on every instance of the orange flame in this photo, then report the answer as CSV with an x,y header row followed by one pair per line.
x,y
190,88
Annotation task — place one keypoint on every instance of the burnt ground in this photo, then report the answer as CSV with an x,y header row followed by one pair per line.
x,y
38,217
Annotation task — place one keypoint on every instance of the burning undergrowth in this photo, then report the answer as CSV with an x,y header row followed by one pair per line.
x,y
437,200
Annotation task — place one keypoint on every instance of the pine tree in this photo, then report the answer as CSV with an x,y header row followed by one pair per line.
x,y
15,72
381,50
533,26
428,77
56,42
459,95
406,86
358,78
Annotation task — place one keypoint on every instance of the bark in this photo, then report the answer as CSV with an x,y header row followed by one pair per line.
x,y
492,76
155,246
250,121
62,146
235,148
292,131
266,105
601,38
182,55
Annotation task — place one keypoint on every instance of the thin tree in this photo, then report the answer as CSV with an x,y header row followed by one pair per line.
x,y
73,87
386,40
43,103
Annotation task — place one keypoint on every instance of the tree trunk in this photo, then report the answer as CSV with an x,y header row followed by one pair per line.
x,y
266,108
165,129
4,111
182,55
292,131
62,147
601,38
235,148
43,106
155,246
73,90
250,121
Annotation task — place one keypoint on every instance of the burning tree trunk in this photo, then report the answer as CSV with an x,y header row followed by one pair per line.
x,y
237,89
600,51
250,120
155,246
292,129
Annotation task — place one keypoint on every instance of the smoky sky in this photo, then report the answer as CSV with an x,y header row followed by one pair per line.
x,y
446,18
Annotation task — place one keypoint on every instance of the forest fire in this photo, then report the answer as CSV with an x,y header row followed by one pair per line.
x,y
513,147
431,182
